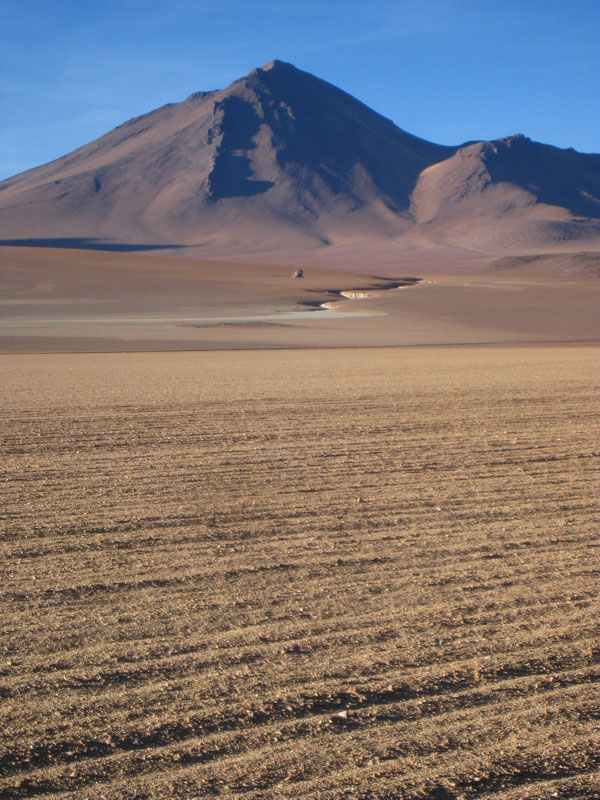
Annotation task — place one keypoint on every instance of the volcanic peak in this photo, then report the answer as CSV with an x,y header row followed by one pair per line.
x,y
283,156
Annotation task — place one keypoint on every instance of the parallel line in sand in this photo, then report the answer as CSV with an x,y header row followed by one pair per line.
x,y
159,740
208,567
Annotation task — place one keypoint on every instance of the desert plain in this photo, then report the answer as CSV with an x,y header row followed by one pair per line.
x,y
252,549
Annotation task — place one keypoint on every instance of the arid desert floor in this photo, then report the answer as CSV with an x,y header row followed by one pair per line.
x,y
69,300
335,573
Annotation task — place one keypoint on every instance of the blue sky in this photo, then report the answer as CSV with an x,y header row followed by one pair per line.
x,y
446,70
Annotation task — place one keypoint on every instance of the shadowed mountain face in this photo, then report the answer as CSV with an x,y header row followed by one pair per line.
x,y
282,159
555,177
236,123
563,178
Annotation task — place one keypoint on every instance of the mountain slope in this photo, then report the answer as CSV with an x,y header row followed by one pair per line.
x,y
279,150
510,193
281,159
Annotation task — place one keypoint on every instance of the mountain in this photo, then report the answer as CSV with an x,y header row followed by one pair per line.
x,y
283,159
511,193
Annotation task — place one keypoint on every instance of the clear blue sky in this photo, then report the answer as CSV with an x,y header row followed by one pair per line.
x,y
446,70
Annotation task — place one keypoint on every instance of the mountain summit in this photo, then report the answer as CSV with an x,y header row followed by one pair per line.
x,y
281,158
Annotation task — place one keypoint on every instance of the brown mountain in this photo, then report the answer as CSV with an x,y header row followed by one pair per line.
x,y
511,193
281,159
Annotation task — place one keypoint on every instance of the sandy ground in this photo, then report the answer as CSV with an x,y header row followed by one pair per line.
x,y
56,300
302,574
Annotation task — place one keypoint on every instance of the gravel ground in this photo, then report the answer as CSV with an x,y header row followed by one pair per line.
x,y
301,574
